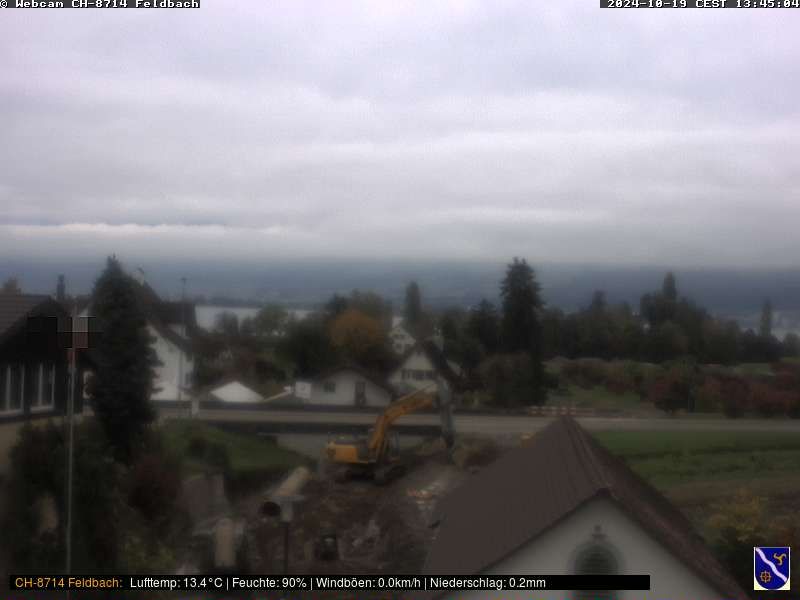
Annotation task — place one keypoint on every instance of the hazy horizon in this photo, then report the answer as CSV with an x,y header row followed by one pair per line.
x,y
726,292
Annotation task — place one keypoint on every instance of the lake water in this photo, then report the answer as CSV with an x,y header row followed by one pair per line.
x,y
206,315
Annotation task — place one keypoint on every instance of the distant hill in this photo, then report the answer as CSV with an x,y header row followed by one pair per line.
x,y
724,291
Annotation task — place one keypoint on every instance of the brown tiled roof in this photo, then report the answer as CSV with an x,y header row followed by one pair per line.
x,y
534,487
15,307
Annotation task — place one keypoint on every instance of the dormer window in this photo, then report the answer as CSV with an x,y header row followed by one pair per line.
x,y
596,558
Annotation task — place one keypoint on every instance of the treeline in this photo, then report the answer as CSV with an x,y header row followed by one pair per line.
x,y
274,347
500,348
354,329
665,327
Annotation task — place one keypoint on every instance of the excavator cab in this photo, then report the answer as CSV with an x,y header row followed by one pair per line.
x,y
377,454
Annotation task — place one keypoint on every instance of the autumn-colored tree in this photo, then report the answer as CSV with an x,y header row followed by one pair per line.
x,y
735,396
768,401
674,390
359,338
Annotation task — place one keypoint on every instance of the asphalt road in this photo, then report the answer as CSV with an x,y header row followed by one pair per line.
x,y
485,424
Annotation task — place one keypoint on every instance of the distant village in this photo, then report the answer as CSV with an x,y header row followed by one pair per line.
x,y
226,399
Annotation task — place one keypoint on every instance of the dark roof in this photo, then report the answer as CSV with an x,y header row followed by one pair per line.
x,y
15,307
437,358
534,487
160,314
177,313
76,303
378,381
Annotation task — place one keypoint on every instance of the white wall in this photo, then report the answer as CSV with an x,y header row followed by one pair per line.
x,y
638,554
401,340
416,361
167,374
345,389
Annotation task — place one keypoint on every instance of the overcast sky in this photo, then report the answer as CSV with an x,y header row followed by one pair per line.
x,y
554,130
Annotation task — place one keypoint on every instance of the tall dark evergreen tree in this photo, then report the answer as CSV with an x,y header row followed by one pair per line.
x,y
484,326
599,303
335,306
521,303
521,331
61,289
123,380
670,288
412,310
307,346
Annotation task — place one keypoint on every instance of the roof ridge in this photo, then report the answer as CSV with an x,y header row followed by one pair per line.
x,y
592,463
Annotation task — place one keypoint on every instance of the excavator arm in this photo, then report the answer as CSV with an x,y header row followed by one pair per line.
x,y
369,455
407,404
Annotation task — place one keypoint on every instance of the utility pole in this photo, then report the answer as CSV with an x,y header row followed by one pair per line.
x,y
71,436
183,334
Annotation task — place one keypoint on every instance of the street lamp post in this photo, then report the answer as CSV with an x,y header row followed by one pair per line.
x,y
70,439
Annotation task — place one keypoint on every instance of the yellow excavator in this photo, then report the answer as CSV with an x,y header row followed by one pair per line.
x,y
374,457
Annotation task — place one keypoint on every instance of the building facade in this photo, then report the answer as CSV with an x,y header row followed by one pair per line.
x,y
34,374
346,386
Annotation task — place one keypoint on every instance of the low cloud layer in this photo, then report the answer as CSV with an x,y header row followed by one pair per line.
x,y
475,130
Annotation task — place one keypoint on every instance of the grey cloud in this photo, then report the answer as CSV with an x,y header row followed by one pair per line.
x,y
452,129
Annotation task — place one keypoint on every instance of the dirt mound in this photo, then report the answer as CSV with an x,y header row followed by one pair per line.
x,y
474,452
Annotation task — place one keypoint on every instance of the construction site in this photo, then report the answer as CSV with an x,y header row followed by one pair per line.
x,y
365,507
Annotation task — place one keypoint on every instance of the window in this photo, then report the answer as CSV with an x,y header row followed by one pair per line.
x,y
44,398
3,394
329,387
596,559
14,388
33,385
361,393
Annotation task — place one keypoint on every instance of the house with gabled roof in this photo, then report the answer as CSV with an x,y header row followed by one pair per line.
x,y
35,334
231,390
172,325
421,366
562,504
401,340
346,385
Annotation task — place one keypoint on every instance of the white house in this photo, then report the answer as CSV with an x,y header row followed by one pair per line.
x,y
171,325
345,386
234,392
563,505
174,374
420,366
402,341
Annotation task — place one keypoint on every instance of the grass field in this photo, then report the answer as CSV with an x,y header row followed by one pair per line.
x,y
674,458
596,397
245,453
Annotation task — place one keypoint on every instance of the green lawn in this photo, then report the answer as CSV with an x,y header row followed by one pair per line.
x,y
752,369
246,453
674,458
